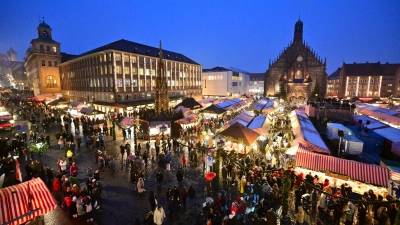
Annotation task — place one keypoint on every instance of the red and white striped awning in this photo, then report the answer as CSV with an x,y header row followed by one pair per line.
x,y
366,173
14,202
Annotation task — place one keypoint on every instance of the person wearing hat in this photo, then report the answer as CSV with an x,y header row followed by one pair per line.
x,y
159,215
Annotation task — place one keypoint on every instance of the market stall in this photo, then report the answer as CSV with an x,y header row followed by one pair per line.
x,y
259,124
25,201
332,130
366,173
241,137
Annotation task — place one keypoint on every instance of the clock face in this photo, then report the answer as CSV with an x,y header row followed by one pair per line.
x,y
299,59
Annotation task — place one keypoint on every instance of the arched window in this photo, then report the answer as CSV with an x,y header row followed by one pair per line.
x,y
45,34
51,82
298,75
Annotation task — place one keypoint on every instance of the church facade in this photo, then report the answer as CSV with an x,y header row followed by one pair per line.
x,y
297,70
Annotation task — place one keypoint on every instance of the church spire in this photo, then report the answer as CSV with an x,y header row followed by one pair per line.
x,y
298,31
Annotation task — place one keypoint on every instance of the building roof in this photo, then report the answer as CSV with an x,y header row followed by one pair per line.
x,y
66,57
257,76
45,40
370,69
335,75
136,48
216,69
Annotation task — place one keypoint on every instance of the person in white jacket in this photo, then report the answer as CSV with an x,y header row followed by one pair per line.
x,y
159,215
63,166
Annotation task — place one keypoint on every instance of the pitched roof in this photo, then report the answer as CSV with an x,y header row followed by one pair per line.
x,y
66,57
136,48
335,75
257,76
216,69
45,40
370,69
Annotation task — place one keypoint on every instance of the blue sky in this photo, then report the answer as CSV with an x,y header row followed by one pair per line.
x,y
240,34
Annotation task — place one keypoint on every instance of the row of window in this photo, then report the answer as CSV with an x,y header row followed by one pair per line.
x,y
172,83
365,80
121,97
48,48
363,87
49,63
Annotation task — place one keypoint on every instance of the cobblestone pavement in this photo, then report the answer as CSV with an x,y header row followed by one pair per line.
x,y
119,202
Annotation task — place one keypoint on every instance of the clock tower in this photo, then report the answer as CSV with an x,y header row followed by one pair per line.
x,y
41,62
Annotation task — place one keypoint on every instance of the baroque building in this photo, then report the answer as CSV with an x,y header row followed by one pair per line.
x,y
41,62
297,70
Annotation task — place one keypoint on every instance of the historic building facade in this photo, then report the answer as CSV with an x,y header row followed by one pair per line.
x,y
124,73
372,80
333,84
256,83
298,69
41,63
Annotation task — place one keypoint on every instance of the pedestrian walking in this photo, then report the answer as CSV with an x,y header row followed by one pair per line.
x,y
140,187
159,215
159,177
191,194
152,200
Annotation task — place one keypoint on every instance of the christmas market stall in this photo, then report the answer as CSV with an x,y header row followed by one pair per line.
x,y
25,202
213,111
239,137
336,172
259,124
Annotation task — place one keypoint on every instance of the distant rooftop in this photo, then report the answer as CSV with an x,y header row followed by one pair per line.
x,y
335,75
371,69
140,49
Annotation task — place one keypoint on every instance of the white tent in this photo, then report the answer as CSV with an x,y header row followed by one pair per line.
x,y
353,145
333,128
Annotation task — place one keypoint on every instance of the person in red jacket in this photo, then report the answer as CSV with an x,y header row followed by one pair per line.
x,y
233,208
56,185
73,170
184,161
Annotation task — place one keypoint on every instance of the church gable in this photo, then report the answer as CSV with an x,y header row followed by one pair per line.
x,y
296,64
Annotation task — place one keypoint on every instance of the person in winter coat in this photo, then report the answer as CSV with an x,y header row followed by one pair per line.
x,y
73,170
191,194
152,200
140,187
79,208
242,185
184,161
56,185
159,215
72,209
179,176
63,165
256,192
159,177
351,208
300,216
184,196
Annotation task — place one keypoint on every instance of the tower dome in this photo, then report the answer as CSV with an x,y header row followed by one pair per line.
x,y
44,25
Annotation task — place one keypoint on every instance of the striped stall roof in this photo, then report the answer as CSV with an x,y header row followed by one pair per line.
x,y
366,173
14,202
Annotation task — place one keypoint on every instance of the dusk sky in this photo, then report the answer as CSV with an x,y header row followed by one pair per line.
x,y
240,34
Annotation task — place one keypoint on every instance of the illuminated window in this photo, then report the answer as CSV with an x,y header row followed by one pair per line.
x,y
117,57
134,82
51,82
54,49
390,85
118,69
119,82
127,70
127,82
